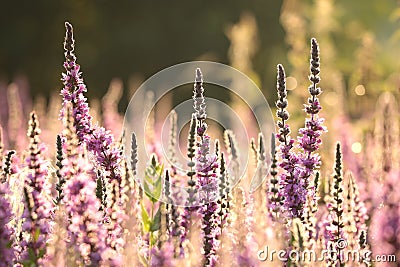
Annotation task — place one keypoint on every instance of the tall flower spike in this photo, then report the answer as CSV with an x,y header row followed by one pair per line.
x,y
313,129
292,189
98,141
191,164
191,202
172,213
115,218
274,200
167,199
282,104
74,87
172,138
7,251
199,103
333,231
222,201
61,179
206,167
134,154
88,237
37,187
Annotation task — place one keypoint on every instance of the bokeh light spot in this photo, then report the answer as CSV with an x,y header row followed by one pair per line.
x,y
360,89
356,147
331,98
291,83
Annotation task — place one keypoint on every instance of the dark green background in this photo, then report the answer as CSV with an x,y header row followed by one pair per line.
x,y
122,38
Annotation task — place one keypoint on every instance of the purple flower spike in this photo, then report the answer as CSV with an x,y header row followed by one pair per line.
x,y
88,236
207,166
309,136
38,206
292,191
98,141
199,103
7,252
299,168
74,87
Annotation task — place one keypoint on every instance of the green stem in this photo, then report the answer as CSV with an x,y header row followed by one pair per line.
x,y
151,232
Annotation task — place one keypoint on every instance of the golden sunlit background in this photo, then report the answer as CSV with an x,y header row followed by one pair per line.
x,y
120,44
130,41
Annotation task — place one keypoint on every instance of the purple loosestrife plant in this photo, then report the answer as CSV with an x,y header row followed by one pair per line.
x,y
87,234
206,170
98,140
199,103
274,201
168,200
38,210
223,195
7,250
191,203
61,179
116,218
309,139
74,88
299,167
334,224
88,237
292,189
207,166
136,189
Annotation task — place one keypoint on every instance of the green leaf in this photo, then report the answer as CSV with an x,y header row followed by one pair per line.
x,y
147,190
145,219
153,182
156,222
157,188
